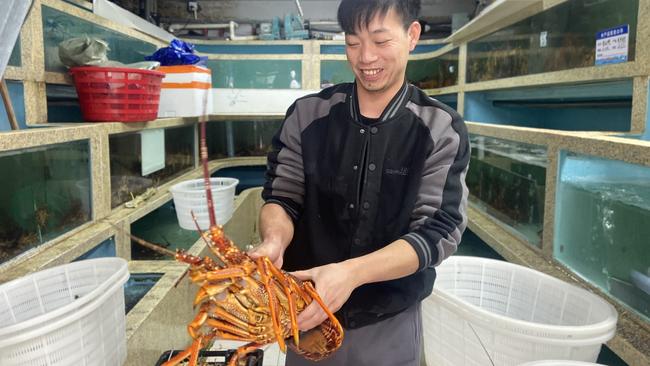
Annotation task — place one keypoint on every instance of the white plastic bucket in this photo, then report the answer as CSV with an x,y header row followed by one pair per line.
x,y
64,316
190,197
514,314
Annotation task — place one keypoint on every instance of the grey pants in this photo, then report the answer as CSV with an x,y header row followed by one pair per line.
x,y
395,341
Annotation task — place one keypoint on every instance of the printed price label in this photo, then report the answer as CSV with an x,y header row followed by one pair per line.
x,y
543,39
612,45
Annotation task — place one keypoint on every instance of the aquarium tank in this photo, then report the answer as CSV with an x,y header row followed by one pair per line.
x,y
137,286
48,194
438,72
161,227
127,180
602,226
560,38
507,180
227,139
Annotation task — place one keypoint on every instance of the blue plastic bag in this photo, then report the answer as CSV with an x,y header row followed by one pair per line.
x,y
178,53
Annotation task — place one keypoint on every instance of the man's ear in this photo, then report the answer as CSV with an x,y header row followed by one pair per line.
x,y
414,31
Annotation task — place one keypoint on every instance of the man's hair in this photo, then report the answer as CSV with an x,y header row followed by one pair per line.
x,y
354,15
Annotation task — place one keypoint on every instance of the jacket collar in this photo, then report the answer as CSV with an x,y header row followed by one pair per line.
x,y
399,100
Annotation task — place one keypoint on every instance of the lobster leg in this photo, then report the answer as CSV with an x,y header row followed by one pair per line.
x,y
228,336
242,352
219,329
236,322
244,302
224,334
229,328
270,290
229,273
286,286
198,321
312,291
298,290
225,273
192,352
210,290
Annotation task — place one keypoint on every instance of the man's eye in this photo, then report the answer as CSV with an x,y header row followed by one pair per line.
x,y
352,44
383,42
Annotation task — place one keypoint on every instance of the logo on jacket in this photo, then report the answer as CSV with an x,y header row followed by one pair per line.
x,y
401,171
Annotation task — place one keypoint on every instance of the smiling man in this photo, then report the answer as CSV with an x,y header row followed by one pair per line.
x,y
365,191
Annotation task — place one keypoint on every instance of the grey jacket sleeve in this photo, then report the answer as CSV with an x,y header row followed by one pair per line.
x,y
440,214
284,174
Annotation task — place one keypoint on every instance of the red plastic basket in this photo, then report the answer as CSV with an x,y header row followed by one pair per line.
x,y
116,94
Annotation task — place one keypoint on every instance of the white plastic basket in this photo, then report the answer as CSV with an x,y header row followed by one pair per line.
x,y
67,315
513,313
190,196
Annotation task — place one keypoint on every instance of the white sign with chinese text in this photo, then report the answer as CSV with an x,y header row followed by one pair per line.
x,y
612,45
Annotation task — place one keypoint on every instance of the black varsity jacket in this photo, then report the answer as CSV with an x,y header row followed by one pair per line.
x,y
353,188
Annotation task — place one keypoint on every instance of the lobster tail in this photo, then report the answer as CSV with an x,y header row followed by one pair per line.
x,y
320,342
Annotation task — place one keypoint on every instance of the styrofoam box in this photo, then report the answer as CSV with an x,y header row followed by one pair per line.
x,y
185,91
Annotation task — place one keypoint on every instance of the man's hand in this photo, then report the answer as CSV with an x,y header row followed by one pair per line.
x,y
334,283
276,230
272,249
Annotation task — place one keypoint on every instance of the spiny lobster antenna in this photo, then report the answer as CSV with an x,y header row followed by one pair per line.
x,y
146,244
154,247
204,161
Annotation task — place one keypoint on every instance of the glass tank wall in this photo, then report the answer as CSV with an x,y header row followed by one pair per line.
x,y
249,176
507,180
16,93
161,227
48,194
240,138
103,250
434,73
256,74
137,286
335,72
561,38
249,49
602,226
473,246
449,99
59,26
125,151
601,106
15,59
62,104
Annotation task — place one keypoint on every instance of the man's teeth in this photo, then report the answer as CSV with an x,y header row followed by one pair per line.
x,y
371,72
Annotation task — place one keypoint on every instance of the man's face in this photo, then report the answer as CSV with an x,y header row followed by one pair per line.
x,y
378,54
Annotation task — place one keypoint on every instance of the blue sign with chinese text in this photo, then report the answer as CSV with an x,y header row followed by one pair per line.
x,y
612,45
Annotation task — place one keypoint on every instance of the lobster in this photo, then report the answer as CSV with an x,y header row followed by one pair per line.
x,y
246,299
